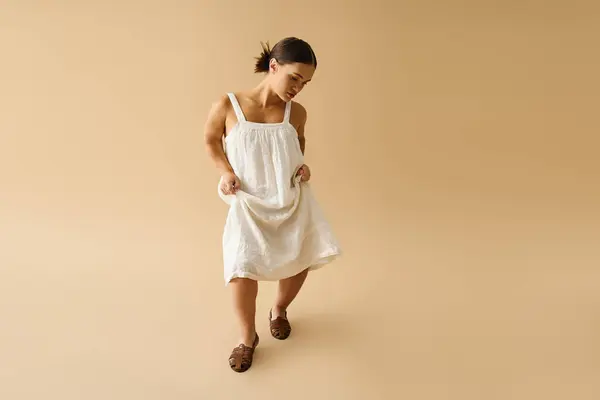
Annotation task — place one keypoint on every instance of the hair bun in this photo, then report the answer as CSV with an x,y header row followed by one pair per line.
x,y
262,61
286,51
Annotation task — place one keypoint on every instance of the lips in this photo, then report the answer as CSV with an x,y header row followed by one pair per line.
x,y
291,95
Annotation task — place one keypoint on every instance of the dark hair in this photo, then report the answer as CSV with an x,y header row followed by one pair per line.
x,y
286,51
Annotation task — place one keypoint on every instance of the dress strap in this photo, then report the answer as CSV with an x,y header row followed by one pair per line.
x,y
236,107
288,111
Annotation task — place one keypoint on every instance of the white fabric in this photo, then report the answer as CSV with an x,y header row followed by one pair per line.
x,y
274,228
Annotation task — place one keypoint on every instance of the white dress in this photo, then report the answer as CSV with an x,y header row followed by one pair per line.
x,y
274,228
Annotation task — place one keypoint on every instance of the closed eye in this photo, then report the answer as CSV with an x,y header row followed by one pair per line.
x,y
296,78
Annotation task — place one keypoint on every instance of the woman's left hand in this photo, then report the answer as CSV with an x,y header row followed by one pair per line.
x,y
304,172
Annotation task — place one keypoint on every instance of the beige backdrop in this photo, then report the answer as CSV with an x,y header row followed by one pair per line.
x,y
454,147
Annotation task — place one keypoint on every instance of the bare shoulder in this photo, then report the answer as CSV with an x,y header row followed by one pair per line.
x,y
221,106
217,117
298,115
299,110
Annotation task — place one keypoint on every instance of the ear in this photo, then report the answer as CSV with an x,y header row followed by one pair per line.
x,y
273,65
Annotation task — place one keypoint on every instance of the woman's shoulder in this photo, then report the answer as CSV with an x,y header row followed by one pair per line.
x,y
298,112
299,108
222,103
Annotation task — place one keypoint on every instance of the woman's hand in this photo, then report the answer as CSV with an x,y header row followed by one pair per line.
x,y
304,172
230,183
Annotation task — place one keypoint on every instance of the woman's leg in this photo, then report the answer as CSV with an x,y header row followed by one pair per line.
x,y
244,303
287,292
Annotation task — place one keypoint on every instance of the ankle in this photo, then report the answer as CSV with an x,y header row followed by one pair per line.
x,y
278,311
248,337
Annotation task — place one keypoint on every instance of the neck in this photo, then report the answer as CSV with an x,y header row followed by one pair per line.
x,y
265,95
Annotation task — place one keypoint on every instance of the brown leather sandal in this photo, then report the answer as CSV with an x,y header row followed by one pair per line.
x,y
241,357
280,326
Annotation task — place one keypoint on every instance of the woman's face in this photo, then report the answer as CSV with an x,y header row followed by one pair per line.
x,y
289,79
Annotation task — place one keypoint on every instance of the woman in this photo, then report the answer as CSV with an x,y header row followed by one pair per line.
x,y
274,230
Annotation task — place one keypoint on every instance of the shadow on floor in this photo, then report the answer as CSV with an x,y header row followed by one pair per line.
x,y
319,336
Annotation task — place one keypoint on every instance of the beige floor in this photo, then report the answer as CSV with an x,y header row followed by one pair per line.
x,y
454,147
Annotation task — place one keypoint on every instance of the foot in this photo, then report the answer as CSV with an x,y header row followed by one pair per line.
x,y
279,325
242,356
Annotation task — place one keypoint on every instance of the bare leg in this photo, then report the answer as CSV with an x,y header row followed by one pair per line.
x,y
287,292
244,303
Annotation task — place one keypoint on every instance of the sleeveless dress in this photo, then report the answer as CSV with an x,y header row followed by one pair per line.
x,y
274,229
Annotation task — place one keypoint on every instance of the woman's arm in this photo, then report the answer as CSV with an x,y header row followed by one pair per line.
x,y
300,117
214,129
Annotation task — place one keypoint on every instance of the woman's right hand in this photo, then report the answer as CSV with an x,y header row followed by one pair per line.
x,y
230,183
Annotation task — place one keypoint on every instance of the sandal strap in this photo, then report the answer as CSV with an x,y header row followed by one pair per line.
x,y
241,357
280,326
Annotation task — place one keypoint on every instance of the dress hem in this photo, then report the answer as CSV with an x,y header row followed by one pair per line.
x,y
321,261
